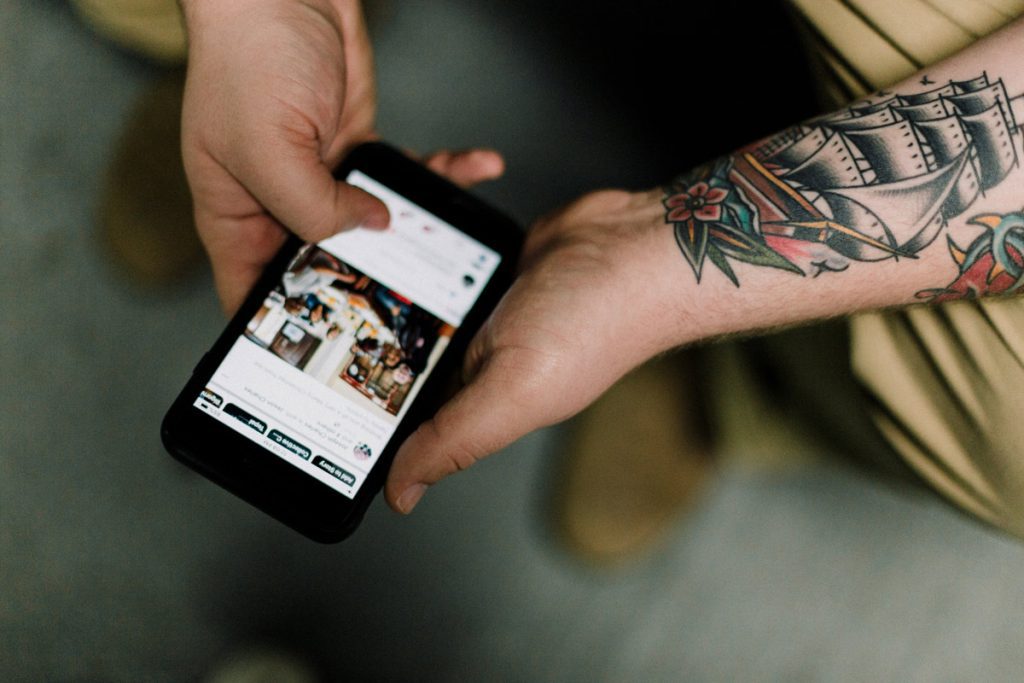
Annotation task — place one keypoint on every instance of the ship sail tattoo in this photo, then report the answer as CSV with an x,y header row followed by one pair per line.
x,y
877,180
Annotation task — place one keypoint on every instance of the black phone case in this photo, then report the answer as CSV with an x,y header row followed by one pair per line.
x,y
264,479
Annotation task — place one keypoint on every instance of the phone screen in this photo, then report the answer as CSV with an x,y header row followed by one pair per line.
x,y
331,362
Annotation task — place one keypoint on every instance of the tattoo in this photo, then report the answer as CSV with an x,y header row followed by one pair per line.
x,y
714,220
824,267
878,180
992,264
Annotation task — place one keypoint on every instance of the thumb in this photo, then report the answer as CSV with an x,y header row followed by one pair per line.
x,y
298,189
489,413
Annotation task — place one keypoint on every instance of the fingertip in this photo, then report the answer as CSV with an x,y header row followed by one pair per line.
x,y
475,166
439,161
362,209
399,478
490,163
378,218
408,499
467,167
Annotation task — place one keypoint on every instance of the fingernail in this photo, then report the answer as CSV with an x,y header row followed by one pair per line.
x,y
378,220
407,501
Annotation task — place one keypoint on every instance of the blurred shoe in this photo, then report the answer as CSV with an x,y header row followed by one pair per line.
x,y
152,28
145,214
263,666
638,459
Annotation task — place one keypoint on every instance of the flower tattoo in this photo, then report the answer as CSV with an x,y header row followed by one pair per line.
x,y
698,201
713,220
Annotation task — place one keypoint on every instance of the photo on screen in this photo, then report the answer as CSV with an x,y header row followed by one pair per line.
x,y
349,332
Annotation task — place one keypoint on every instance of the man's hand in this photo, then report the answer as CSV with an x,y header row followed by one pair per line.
x,y
595,299
277,92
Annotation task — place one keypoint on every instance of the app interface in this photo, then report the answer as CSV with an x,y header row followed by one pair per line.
x,y
330,363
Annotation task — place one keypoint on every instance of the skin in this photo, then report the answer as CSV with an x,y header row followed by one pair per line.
x,y
278,90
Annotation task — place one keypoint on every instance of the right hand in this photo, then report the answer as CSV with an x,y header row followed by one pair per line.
x,y
278,91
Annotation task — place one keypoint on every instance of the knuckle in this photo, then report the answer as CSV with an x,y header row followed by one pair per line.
x,y
320,223
596,207
458,460
611,200
455,456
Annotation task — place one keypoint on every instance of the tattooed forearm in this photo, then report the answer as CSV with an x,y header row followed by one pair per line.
x,y
876,181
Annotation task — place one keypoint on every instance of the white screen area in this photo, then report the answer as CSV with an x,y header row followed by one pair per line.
x,y
337,353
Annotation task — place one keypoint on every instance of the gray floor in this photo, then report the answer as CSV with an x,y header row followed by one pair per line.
x,y
117,565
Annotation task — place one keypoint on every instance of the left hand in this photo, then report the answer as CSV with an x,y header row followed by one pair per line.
x,y
595,299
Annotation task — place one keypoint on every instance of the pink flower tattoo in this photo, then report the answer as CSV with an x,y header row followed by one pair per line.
x,y
699,201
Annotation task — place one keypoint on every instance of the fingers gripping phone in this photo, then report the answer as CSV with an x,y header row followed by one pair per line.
x,y
343,348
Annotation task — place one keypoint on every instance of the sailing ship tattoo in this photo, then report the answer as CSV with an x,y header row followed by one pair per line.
x,y
872,182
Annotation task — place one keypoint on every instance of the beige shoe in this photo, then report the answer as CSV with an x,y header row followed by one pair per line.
x,y
637,461
145,212
263,665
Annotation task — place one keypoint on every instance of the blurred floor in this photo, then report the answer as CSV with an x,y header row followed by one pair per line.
x,y
118,565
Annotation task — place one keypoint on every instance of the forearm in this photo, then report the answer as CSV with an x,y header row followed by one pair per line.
x,y
911,195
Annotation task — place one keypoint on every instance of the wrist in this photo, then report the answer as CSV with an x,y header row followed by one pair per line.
x,y
666,299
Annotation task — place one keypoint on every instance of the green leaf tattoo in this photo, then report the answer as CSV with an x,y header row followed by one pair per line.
x,y
713,220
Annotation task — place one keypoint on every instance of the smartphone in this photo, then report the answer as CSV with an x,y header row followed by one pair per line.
x,y
343,348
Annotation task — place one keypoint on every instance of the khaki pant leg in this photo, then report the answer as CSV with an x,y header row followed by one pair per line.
x,y
943,386
151,27
947,392
791,397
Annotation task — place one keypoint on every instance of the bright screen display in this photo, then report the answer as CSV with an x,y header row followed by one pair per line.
x,y
333,359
